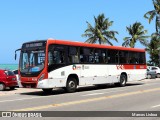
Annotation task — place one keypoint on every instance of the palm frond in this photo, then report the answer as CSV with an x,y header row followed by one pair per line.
x,y
137,33
126,42
100,32
149,13
144,42
91,40
108,42
126,38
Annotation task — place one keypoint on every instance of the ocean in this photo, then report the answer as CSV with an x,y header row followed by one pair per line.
x,y
9,66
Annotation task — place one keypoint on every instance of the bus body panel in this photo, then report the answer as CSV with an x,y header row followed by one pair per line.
x,y
91,75
88,73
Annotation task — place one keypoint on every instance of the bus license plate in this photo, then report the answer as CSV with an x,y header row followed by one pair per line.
x,y
28,86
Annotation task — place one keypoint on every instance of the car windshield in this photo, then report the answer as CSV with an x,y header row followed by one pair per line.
x,y
15,71
9,73
32,61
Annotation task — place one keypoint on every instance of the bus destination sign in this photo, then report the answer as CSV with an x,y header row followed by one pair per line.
x,y
34,45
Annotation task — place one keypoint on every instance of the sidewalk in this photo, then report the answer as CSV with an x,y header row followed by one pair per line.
x,y
18,91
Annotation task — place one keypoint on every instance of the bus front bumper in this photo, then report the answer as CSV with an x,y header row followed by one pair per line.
x,y
51,83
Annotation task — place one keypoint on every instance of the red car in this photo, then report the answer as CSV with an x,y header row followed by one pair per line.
x,y
7,79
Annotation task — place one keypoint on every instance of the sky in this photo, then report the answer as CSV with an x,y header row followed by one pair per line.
x,y
27,20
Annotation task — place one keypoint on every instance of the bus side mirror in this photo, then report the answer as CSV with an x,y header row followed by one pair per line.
x,y
15,57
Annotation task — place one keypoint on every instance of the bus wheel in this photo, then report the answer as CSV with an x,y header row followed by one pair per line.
x,y
49,90
71,85
123,80
2,86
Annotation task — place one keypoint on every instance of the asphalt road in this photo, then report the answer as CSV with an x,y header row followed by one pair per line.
x,y
136,96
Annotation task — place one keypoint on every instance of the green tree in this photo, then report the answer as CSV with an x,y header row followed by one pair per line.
x,y
137,33
152,49
100,31
150,15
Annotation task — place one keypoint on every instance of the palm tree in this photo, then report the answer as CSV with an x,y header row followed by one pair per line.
x,y
151,14
100,32
153,50
136,33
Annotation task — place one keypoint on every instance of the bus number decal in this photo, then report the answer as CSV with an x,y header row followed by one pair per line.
x,y
120,67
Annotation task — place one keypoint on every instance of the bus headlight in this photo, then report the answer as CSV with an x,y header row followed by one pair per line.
x,y
41,78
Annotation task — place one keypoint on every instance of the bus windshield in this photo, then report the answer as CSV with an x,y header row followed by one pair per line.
x,y
32,61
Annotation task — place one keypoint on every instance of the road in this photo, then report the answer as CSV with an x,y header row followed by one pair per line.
x,y
136,96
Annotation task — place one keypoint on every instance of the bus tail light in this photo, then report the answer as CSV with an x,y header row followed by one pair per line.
x,y
41,78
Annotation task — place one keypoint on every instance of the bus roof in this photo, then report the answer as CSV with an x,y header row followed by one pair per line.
x,y
64,42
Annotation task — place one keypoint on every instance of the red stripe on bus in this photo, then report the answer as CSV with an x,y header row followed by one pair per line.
x,y
135,66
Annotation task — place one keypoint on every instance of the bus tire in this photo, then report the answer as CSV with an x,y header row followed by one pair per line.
x,y
2,87
48,90
71,85
123,80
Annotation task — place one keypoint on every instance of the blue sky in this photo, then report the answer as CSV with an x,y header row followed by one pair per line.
x,y
27,20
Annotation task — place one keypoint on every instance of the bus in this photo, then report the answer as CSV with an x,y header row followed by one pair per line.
x,y
48,64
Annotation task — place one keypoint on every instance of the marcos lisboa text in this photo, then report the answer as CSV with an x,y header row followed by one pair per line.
x,y
147,114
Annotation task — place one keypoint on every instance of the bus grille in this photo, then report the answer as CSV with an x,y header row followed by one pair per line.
x,y
29,85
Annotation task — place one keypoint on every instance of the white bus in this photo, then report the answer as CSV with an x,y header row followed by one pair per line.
x,y
47,64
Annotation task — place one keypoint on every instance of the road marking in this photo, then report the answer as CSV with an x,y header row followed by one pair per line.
x,y
88,100
93,94
90,94
115,90
104,92
1,94
16,99
155,106
23,99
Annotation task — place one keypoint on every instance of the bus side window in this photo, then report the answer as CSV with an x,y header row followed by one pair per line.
x,y
58,57
56,54
73,55
100,56
86,55
142,59
50,58
134,57
97,55
82,55
113,56
123,57
104,57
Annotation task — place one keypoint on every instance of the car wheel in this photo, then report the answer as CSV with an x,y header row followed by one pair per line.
x,y
149,76
158,75
2,87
